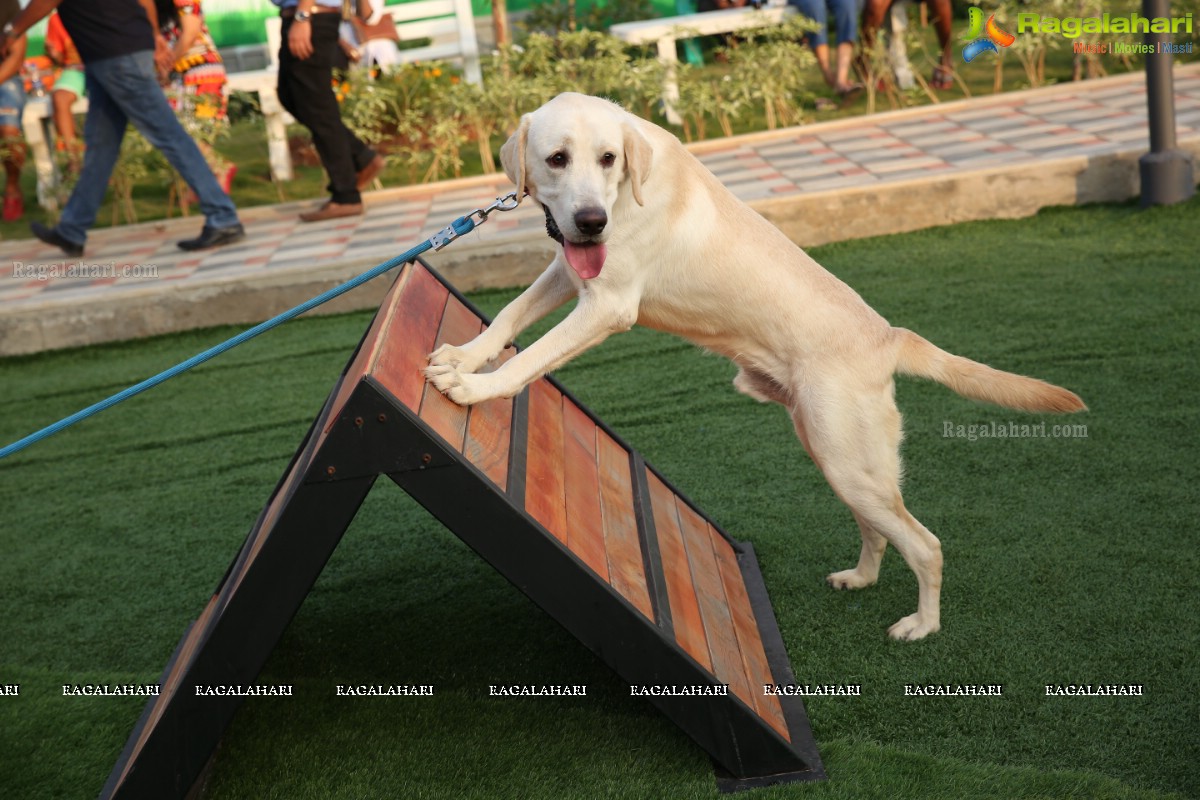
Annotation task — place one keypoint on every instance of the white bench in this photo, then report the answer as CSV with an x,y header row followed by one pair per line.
x,y
263,82
666,31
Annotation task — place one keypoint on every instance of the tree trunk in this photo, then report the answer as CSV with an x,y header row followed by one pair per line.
x,y
500,22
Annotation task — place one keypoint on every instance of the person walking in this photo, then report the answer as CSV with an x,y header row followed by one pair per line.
x,y
195,81
306,54
122,55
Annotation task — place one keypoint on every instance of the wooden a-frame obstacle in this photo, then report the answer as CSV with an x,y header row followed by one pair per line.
x,y
545,493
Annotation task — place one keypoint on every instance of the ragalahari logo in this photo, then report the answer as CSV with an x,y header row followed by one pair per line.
x,y
984,37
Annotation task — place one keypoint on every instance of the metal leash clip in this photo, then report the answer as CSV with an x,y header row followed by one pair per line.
x,y
506,203
448,234
443,237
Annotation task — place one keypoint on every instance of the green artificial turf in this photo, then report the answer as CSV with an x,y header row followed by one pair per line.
x,y
1068,560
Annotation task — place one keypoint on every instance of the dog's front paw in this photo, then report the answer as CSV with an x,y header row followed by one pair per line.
x,y
849,579
449,356
912,628
463,388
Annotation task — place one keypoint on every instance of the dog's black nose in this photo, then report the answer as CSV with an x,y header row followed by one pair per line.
x,y
591,221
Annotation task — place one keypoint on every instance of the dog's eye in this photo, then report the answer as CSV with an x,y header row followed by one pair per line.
x,y
559,160
608,159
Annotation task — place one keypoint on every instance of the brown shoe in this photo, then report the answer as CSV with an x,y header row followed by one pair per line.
x,y
332,210
370,172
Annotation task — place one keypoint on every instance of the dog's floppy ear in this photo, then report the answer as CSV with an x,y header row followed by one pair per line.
x,y
638,154
512,156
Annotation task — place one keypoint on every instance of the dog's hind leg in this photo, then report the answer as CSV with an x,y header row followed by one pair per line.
x,y
853,435
760,386
873,544
866,573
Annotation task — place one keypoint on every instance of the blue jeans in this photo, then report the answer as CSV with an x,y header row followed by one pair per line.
x,y
121,90
12,102
845,19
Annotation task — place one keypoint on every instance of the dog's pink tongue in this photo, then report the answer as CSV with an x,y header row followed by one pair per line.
x,y
586,259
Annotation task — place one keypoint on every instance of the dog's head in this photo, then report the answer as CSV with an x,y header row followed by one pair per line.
x,y
573,155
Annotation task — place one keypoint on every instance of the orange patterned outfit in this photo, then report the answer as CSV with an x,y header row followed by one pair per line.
x,y
197,81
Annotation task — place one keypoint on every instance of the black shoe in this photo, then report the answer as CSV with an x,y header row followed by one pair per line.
x,y
52,236
214,237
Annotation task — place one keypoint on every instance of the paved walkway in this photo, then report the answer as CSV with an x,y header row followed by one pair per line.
x,y
1018,128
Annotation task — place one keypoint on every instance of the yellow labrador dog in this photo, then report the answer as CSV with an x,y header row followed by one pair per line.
x,y
648,235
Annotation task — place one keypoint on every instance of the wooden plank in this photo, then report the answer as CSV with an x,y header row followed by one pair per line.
x,y
365,357
545,496
627,572
265,525
489,433
585,521
172,682
656,580
685,609
447,418
714,606
410,337
277,504
754,657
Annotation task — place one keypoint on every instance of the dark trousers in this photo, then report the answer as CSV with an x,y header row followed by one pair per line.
x,y
306,91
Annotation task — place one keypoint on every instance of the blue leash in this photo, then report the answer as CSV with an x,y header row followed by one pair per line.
x,y
460,227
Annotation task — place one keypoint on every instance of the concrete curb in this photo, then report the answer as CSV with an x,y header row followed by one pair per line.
x,y
993,193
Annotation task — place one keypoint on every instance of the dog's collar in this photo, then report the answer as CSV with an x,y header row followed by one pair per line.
x,y
552,227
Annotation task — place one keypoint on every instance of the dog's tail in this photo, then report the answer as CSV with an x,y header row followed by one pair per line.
x,y
919,357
